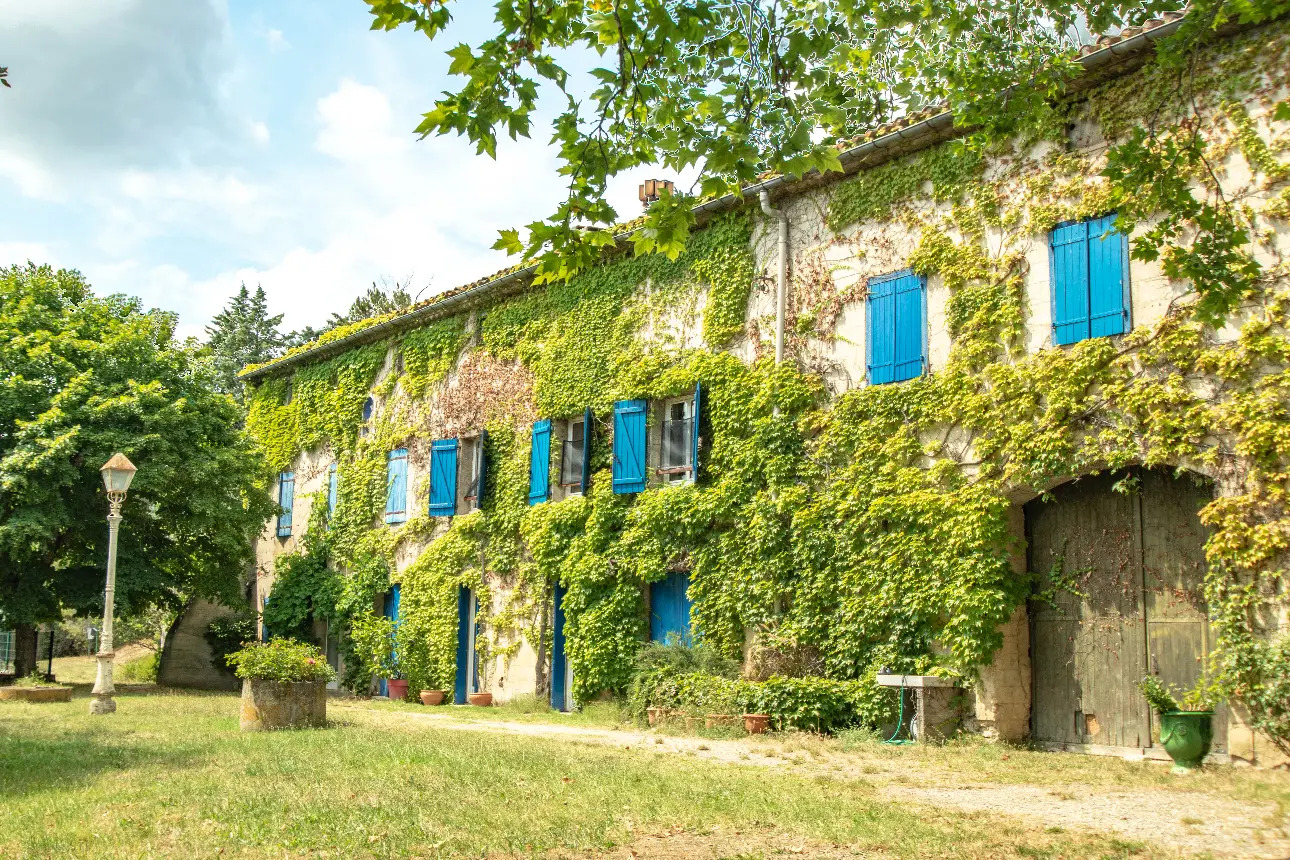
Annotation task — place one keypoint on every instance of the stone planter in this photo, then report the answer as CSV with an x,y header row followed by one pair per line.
x,y
35,694
756,724
482,700
283,704
432,697
1186,736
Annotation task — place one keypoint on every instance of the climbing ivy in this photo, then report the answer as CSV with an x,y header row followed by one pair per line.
x,y
869,528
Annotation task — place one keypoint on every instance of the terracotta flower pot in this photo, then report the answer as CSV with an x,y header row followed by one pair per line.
x,y
482,700
655,715
756,724
398,689
432,697
712,721
693,723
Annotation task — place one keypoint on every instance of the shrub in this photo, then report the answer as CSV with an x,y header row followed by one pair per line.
x,y
372,636
817,704
140,670
281,660
227,634
35,679
660,665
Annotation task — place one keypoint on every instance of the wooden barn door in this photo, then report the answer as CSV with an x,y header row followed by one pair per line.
x,y
1136,560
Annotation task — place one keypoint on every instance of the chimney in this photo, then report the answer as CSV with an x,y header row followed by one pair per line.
x,y
652,189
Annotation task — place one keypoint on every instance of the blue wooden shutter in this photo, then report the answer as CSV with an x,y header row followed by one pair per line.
x,y
463,644
482,471
540,463
694,430
396,486
331,489
443,478
286,500
1107,297
629,446
1069,260
908,354
881,334
586,450
559,661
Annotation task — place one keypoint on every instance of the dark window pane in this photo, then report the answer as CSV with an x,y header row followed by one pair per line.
x,y
571,462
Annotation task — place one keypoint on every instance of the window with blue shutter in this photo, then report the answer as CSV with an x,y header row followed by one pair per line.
x,y
540,463
480,484
629,446
286,501
396,486
1089,261
443,478
896,323
331,489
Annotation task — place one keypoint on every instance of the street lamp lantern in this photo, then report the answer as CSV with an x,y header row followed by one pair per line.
x,y
117,474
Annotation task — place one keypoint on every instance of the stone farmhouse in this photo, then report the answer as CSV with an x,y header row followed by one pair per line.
x,y
927,414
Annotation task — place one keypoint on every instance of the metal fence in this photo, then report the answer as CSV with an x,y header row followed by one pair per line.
x,y
6,651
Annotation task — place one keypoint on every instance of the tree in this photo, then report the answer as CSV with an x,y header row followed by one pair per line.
x,y
80,378
386,298
383,297
241,334
740,88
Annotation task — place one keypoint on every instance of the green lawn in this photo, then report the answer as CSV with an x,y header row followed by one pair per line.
x,y
171,775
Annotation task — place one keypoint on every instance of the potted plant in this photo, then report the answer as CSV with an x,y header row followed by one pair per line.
x,y
416,661
284,684
374,644
482,700
756,724
1185,733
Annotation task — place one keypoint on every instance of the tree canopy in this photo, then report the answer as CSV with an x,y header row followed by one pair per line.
x,y
741,88
86,376
241,334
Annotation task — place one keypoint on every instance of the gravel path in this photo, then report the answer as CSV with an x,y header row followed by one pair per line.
x,y
1192,822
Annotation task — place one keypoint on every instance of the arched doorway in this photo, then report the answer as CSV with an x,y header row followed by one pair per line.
x,y
1121,565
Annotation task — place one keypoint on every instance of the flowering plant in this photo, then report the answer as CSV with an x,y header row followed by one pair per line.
x,y
281,660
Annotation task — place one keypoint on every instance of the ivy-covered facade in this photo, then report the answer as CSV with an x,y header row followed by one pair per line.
x,y
1001,447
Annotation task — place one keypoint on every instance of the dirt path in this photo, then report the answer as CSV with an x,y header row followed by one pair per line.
x,y
1194,822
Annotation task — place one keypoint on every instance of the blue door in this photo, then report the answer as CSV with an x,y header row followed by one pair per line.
x,y
560,675
390,610
669,608
467,681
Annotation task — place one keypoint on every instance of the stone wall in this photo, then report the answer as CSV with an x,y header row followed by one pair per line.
x,y
187,660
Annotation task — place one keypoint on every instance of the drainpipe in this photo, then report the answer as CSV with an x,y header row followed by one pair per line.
x,y
781,280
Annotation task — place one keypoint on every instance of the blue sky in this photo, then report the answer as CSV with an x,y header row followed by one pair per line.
x,y
172,149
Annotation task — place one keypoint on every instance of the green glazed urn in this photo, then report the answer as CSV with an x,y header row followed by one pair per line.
x,y
1186,736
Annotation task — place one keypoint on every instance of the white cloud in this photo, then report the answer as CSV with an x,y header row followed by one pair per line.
x,y
276,41
259,132
356,124
18,253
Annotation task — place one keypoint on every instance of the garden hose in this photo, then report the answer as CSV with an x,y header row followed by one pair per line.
x,y
900,721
